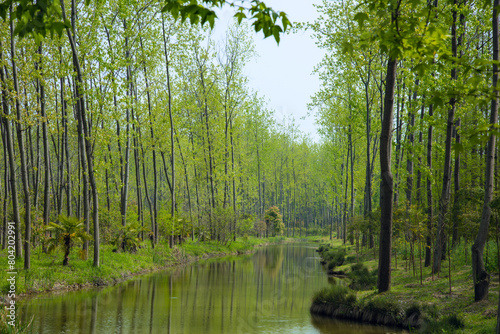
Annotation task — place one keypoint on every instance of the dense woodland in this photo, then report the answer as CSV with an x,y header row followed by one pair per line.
x,y
141,122
131,119
422,76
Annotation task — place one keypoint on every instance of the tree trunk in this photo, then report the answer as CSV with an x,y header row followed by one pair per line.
x,y
479,274
172,130
126,166
11,157
386,187
24,169
46,154
154,206
445,192
82,125
456,179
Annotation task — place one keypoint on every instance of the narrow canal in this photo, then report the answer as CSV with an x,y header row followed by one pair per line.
x,y
267,292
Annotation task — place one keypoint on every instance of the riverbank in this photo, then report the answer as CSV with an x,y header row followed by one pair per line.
x,y
49,275
413,302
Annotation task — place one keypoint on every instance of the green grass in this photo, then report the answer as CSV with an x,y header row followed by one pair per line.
x,y
336,295
433,296
47,272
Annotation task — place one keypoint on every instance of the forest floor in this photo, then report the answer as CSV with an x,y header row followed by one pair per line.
x,y
47,274
433,293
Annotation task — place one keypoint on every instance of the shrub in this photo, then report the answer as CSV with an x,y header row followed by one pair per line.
x,y
323,248
127,238
386,306
454,321
413,309
334,257
362,278
67,232
448,324
335,295
274,220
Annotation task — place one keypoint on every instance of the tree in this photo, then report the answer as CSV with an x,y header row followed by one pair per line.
x,y
44,16
480,276
67,232
274,220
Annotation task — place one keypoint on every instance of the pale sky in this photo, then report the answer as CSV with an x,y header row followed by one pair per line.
x,y
283,73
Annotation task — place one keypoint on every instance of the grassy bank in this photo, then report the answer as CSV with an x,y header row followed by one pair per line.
x,y
442,311
47,272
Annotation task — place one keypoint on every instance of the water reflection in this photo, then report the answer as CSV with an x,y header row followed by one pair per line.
x,y
327,326
267,292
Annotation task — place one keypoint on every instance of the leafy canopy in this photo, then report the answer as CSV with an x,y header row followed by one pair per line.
x,y
44,16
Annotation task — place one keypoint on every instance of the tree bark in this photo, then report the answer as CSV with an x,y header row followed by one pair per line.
x,y
46,153
386,187
439,243
480,276
24,169
172,129
82,125
11,157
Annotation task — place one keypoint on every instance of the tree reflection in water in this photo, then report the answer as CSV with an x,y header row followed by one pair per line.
x,y
267,292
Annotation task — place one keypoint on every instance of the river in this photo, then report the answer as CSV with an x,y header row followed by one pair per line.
x,y
266,292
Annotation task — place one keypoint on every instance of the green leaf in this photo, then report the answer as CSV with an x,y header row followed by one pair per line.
x,y
240,16
58,27
458,147
361,18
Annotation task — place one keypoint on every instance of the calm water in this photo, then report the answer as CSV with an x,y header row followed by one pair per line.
x,y
266,292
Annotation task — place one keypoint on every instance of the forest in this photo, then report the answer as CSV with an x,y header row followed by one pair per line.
x,y
128,125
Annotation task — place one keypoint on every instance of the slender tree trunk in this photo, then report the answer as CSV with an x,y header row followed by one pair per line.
x,y
368,174
11,156
66,146
46,154
82,126
456,179
172,130
479,274
439,243
126,166
233,176
137,131
154,206
5,200
455,238
186,178
386,187
24,169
